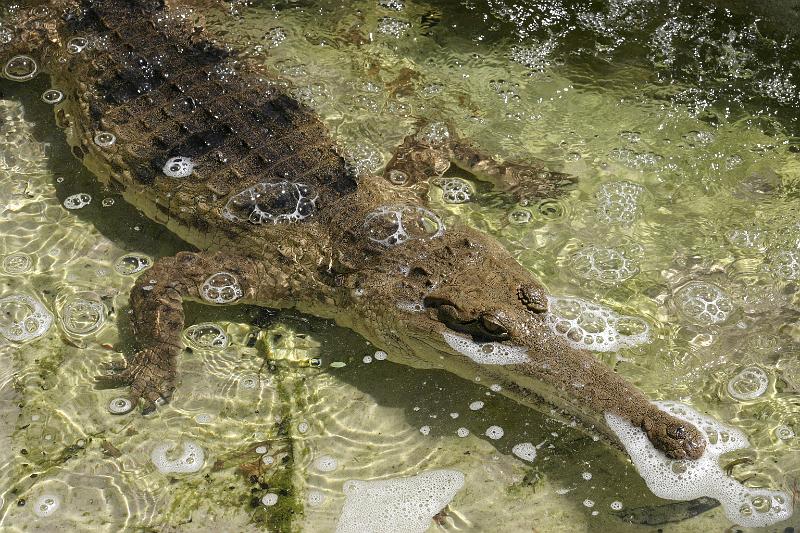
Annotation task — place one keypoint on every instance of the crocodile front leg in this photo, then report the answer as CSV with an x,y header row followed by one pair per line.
x,y
158,318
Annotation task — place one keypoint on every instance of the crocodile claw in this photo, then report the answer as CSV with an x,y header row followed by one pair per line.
x,y
150,372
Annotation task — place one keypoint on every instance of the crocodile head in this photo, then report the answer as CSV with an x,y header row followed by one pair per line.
x,y
463,303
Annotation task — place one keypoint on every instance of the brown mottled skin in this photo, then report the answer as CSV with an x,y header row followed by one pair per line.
x,y
153,78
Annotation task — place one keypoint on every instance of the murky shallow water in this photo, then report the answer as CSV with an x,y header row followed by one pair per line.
x,y
678,123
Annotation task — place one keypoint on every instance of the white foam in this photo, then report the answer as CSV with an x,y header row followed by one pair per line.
x,y
325,463
315,498
486,353
476,406
525,451
462,432
589,326
191,459
687,480
399,505
269,499
380,355
494,432
425,430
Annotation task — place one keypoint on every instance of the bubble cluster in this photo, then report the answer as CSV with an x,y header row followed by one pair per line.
x,y
519,216
687,480
77,201
748,384
52,96
325,463
20,68
703,303
221,288
272,203
748,238
486,353
82,316
206,335
525,451
616,506
400,504
604,265
104,139
784,432
454,190
46,505
462,432
303,427
589,326
434,134
130,264
393,27
380,355
786,265
23,318
425,430
364,159
494,432
203,418
618,202
190,460
76,45
476,405
410,307
17,263
395,225
120,406
178,167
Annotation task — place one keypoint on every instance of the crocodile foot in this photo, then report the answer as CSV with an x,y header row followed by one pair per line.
x,y
150,372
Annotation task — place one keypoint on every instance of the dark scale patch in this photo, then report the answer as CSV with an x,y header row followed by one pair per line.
x,y
135,76
178,95
83,19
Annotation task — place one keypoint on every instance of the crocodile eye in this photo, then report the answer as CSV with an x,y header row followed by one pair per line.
x,y
680,432
491,325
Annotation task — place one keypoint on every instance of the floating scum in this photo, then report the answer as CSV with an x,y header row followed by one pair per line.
x,y
232,163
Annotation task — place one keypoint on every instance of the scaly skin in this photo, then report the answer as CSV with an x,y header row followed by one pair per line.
x,y
155,80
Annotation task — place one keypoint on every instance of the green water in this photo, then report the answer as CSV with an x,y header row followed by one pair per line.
x,y
692,105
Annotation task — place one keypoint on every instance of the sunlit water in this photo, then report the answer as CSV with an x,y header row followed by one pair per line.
x,y
679,124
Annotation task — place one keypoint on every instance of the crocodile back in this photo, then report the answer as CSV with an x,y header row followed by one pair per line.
x,y
165,90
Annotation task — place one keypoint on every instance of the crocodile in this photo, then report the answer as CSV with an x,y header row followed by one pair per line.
x,y
220,153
